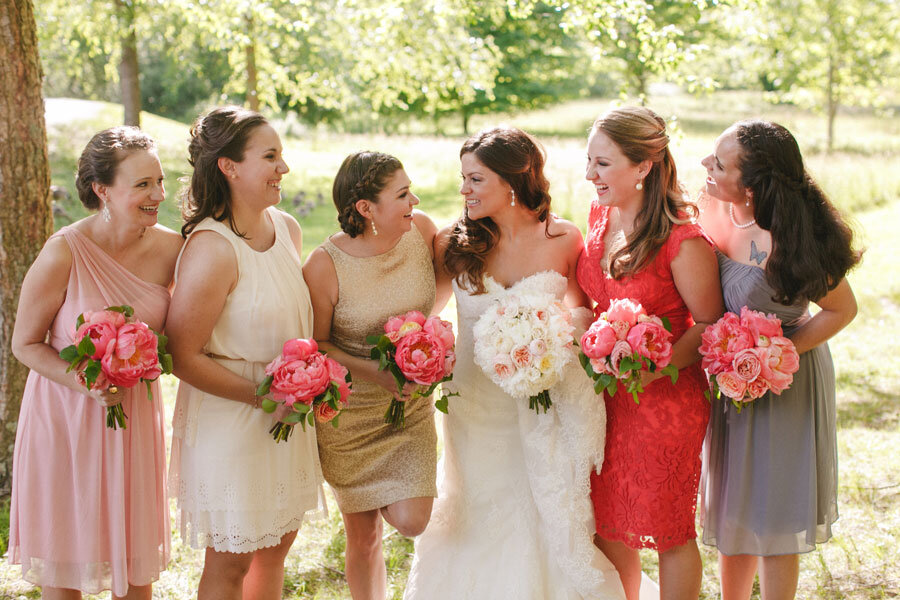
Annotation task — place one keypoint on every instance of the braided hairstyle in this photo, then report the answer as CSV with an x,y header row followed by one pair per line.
x,y
362,176
223,132
641,135
102,156
518,159
812,245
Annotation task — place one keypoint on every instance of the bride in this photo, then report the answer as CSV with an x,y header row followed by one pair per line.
x,y
513,517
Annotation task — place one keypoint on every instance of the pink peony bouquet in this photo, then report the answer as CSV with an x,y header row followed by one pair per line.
x,y
415,349
523,343
621,343
305,380
748,356
114,350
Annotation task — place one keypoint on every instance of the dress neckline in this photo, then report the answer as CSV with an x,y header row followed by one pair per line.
x,y
380,254
117,263
488,276
737,262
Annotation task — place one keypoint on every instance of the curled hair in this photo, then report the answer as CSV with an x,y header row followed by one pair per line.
x,y
641,135
812,245
223,132
519,161
362,176
101,158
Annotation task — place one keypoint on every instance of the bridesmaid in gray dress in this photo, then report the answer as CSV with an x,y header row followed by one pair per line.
x,y
769,480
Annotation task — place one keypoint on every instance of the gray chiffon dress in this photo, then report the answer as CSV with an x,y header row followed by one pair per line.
x,y
769,482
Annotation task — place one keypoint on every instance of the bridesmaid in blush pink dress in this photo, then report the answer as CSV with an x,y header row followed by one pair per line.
x,y
89,510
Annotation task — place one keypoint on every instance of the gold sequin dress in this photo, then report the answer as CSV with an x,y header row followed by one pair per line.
x,y
368,463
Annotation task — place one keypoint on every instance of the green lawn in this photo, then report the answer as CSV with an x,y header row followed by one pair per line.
x,y
863,178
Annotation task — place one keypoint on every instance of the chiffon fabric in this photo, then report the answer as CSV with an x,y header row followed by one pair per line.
x,y
513,516
237,489
770,471
367,462
646,494
88,508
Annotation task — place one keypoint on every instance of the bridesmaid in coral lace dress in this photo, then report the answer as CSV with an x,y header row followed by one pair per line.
x,y
89,510
641,245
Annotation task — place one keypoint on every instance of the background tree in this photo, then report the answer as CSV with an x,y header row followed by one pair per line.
x,y
25,217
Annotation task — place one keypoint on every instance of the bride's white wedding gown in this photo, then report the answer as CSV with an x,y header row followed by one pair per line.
x,y
513,519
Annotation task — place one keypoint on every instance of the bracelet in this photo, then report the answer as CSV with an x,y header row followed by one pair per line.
x,y
257,401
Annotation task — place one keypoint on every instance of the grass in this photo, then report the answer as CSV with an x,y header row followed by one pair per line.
x,y
862,176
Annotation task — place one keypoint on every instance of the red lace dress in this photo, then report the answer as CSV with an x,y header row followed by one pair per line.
x,y
646,493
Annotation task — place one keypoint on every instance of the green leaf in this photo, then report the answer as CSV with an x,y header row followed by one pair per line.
x,y
91,372
373,339
442,404
161,342
666,324
264,386
69,354
165,361
268,405
149,391
292,418
672,371
86,346
79,321
124,309
301,408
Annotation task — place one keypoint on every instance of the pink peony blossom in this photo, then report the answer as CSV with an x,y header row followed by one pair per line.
x,y
620,350
420,357
756,389
748,363
298,380
762,327
503,366
520,356
538,347
338,374
731,385
598,341
133,356
101,327
651,341
780,364
721,341
624,309
449,362
600,366
442,330
621,329
299,349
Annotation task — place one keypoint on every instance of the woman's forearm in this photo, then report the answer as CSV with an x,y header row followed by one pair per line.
x,y
205,374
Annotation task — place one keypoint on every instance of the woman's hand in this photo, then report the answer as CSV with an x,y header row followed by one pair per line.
x,y
106,398
647,377
387,381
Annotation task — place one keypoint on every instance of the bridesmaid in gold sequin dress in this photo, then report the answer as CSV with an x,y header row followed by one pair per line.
x,y
379,266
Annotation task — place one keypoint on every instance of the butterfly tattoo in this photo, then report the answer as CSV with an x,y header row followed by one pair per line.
x,y
755,253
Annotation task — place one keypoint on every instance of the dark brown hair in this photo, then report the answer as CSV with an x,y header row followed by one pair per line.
x,y
519,160
812,245
362,176
223,132
641,135
101,158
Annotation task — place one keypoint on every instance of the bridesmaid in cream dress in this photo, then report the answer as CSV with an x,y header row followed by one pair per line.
x,y
379,266
239,295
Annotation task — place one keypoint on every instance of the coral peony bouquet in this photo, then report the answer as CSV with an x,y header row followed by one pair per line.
x,y
523,342
415,349
621,343
114,350
748,356
306,381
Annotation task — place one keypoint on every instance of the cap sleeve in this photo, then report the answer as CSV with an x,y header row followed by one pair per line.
x,y
684,232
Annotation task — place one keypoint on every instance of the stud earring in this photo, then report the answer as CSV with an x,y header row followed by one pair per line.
x,y
107,216
374,231
512,194
747,203
639,185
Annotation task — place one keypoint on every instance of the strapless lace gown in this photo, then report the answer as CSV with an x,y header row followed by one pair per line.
x,y
513,517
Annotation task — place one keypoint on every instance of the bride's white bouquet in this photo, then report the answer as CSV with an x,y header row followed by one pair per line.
x,y
523,343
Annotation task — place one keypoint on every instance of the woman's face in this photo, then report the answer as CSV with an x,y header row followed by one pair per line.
x,y
723,175
393,212
136,191
258,175
484,191
613,174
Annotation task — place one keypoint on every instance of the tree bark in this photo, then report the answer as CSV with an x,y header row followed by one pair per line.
x,y
25,217
129,72
250,50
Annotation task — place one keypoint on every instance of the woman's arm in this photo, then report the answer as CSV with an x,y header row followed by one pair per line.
x,y
321,278
838,309
575,296
42,295
442,278
207,274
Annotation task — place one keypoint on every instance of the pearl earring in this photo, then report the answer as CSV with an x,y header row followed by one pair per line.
x,y
639,185
512,194
747,203
374,231
107,216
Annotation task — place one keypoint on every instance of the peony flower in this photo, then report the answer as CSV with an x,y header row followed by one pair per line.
x,y
780,363
538,347
731,385
762,327
651,341
620,328
442,330
756,389
521,356
600,366
449,362
598,341
132,357
420,357
338,374
620,350
721,341
298,380
101,327
748,363
299,349
503,366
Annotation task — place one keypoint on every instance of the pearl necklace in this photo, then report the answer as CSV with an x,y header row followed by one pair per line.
x,y
735,223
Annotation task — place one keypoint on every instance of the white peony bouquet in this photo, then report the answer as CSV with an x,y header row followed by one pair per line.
x,y
523,342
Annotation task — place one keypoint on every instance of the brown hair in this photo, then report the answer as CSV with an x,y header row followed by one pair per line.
x,y
641,135
812,246
223,132
519,160
101,158
362,176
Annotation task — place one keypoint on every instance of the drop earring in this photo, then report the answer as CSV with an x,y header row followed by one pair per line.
x,y
374,231
639,185
512,194
107,216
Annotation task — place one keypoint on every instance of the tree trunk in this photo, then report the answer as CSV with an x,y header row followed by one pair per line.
x,y
250,50
128,67
25,217
465,120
